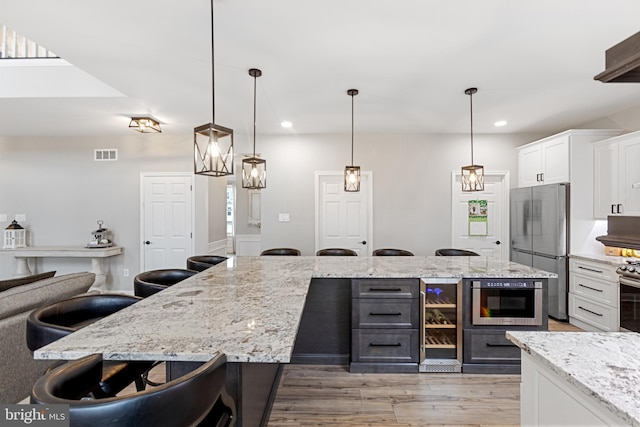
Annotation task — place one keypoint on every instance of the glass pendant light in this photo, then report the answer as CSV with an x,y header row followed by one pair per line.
x,y
472,175
213,144
352,173
254,169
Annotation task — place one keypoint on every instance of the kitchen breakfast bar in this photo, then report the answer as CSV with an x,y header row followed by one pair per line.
x,y
261,312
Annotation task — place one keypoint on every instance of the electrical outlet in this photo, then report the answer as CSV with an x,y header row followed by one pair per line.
x,y
3,217
21,217
125,272
284,217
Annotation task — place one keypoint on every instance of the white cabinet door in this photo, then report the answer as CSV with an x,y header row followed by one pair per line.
x,y
605,188
529,166
629,176
555,160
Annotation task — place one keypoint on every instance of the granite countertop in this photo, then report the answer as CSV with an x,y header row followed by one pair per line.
x,y
248,307
602,258
602,365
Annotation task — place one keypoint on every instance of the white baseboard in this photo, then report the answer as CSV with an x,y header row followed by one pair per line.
x,y
248,244
219,247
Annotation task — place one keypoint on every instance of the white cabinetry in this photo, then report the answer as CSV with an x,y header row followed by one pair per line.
x,y
593,295
546,399
617,176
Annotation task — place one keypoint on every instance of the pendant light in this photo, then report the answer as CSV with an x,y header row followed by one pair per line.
x,y
213,144
352,173
254,169
472,175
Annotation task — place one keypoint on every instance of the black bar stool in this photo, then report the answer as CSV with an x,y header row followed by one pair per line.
x,y
154,281
336,252
455,252
281,251
54,321
202,262
391,252
197,398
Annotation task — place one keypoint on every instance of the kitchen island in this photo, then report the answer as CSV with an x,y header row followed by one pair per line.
x,y
579,378
250,308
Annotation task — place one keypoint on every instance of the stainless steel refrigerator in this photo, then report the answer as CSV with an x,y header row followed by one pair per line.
x,y
539,221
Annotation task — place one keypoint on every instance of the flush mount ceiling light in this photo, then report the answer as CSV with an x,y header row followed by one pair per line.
x,y
213,144
472,175
352,173
145,124
254,169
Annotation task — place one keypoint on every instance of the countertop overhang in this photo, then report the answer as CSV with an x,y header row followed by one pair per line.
x,y
248,308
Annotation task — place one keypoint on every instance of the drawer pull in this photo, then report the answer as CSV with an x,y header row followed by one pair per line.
x,y
590,269
384,345
589,311
589,287
385,289
385,314
500,345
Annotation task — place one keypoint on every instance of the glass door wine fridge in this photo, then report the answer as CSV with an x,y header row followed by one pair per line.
x,y
441,331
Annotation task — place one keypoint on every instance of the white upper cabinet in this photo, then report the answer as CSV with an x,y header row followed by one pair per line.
x,y
550,160
616,188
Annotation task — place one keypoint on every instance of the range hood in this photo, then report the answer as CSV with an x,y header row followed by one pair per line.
x,y
622,232
622,62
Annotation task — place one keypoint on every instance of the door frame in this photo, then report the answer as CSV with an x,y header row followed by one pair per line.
x,y
506,189
145,175
369,190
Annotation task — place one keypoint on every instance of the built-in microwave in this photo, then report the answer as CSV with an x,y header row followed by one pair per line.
x,y
506,302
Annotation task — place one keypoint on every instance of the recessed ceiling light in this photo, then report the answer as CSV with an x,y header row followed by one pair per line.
x,y
500,123
286,124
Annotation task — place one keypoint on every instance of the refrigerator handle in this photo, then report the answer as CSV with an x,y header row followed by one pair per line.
x,y
423,307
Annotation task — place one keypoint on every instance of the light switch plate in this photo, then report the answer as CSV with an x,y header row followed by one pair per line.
x,y
21,217
283,217
3,217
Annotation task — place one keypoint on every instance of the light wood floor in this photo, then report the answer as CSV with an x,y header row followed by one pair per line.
x,y
331,396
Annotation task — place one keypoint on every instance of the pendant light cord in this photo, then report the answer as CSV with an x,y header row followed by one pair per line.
x,y
471,109
255,78
213,86
352,129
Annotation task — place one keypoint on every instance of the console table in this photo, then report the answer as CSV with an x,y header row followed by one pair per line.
x,y
97,255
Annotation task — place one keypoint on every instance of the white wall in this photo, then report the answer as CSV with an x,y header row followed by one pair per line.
x,y
411,183
63,192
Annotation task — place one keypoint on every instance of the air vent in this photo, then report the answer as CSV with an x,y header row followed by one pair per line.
x,y
105,154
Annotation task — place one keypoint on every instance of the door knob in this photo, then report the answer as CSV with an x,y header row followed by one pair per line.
x,y
364,242
498,242
147,242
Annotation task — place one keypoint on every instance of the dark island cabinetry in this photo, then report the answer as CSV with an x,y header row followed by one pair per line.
x,y
385,318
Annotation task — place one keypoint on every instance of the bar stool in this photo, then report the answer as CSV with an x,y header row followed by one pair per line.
x,y
202,262
455,252
281,251
197,398
391,252
54,321
154,281
336,252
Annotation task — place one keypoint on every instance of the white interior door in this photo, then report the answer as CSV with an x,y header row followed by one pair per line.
x,y
496,192
167,220
344,219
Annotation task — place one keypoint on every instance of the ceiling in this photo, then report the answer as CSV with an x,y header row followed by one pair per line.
x,y
533,63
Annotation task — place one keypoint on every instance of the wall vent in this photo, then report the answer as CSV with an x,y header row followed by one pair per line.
x,y
105,154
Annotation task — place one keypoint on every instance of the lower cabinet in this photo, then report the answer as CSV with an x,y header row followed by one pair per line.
x,y
547,399
385,318
593,296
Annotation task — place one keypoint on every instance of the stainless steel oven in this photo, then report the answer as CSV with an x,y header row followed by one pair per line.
x,y
506,302
630,296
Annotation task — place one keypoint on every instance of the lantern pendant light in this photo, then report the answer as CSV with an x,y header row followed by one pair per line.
x,y
352,173
472,175
213,144
254,169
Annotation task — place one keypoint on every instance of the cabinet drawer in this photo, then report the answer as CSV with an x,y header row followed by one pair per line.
x,y
596,270
485,346
377,313
599,315
595,288
385,345
385,288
